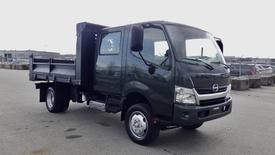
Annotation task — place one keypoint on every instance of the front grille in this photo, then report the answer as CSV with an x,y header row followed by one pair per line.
x,y
212,101
210,91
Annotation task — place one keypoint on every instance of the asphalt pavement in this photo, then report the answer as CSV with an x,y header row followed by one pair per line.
x,y
28,129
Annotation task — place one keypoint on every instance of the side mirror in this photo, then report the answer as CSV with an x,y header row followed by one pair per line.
x,y
219,42
137,38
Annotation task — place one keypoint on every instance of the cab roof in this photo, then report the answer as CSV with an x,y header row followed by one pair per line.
x,y
159,23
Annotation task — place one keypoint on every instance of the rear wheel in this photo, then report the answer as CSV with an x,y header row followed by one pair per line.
x,y
192,127
57,100
139,124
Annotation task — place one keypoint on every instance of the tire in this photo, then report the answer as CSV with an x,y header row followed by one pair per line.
x,y
139,124
192,127
57,100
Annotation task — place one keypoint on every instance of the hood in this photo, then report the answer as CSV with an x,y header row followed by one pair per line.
x,y
201,78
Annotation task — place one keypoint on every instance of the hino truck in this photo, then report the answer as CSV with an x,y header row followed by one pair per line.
x,y
158,75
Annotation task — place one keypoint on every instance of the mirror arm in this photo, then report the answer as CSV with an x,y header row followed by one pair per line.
x,y
146,63
164,61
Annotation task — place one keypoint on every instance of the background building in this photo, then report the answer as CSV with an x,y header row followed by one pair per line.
x,y
22,56
249,60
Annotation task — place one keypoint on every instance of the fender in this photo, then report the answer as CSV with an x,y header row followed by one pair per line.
x,y
141,88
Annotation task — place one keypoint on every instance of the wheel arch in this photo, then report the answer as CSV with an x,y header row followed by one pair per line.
x,y
43,88
132,98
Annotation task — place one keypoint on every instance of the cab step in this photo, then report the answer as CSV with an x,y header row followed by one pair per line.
x,y
97,105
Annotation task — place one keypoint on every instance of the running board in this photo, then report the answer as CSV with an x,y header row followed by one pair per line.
x,y
97,105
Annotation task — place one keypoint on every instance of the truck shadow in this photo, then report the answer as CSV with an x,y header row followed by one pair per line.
x,y
183,139
174,138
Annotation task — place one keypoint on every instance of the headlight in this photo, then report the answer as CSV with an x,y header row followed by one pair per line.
x,y
228,95
184,95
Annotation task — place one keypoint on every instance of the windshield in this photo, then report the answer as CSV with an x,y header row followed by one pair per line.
x,y
190,43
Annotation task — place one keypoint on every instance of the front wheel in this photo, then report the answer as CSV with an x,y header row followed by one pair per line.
x,y
139,124
193,126
57,100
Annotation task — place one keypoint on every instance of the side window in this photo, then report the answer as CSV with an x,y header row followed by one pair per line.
x,y
155,46
110,43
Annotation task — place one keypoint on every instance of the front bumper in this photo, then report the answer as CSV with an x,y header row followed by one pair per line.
x,y
188,115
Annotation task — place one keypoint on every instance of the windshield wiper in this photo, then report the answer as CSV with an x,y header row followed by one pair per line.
x,y
205,64
225,65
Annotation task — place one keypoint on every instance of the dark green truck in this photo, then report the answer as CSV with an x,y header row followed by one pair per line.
x,y
159,75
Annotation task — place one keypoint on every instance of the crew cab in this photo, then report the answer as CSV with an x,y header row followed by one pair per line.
x,y
159,75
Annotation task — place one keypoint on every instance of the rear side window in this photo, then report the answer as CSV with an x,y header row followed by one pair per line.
x,y
110,43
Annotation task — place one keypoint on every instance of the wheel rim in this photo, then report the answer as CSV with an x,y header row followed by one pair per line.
x,y
50,99
138,124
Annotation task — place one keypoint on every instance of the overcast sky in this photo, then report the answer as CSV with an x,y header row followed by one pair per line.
x,y
246,27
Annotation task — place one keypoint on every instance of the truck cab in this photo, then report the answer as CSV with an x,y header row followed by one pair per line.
x,y
159,75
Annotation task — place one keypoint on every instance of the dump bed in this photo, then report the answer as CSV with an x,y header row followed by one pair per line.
x,y
79,71
52,70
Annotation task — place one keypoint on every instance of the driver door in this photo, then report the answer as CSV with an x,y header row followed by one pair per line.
x,y
157,53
